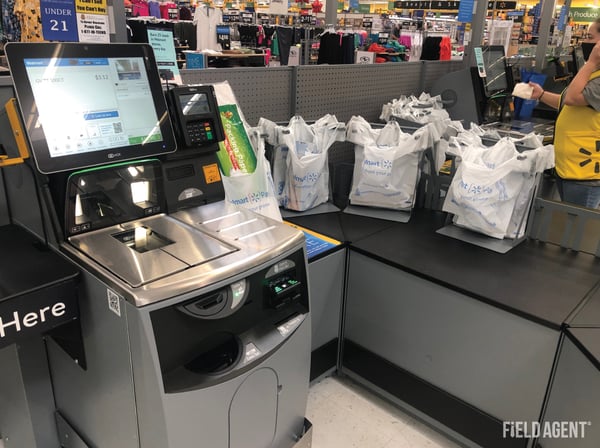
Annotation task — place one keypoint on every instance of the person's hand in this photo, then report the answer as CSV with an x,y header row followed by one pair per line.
x,y
537,90
594,58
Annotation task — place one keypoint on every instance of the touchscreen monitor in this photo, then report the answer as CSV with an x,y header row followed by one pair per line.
x,y
495,68
89,104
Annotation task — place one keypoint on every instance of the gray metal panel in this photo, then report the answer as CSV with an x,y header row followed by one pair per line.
x,y
353,89
173,420
433,70
116,17
574,397
567,225
15,419
254,429
98,402
68,436
492,359
260,91
326,285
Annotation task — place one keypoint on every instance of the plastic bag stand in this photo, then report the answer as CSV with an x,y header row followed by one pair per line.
x,y
380,213
478,239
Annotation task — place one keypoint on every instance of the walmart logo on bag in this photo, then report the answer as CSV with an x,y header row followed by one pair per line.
x,y
258,196
310,178
385,164
253,197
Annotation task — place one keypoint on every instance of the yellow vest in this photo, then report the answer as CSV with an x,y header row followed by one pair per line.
x,y
577,141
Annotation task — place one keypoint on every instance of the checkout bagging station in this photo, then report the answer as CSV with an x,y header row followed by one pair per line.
x,y
184,321
171,319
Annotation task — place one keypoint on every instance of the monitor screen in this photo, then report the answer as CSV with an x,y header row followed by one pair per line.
x,y
494,63
89,104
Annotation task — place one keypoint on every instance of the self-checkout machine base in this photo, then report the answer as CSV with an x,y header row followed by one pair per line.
x,y
203,328
196,332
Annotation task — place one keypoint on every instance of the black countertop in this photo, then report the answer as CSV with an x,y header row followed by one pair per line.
x,y
538,281
343,227
588,341
26,265
589,314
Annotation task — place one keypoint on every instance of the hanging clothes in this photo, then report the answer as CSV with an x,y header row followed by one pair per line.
x,y
336,48
269,32
139,8
348,49
248,35
285,36
154,8
445,49
169,11
10,22
28,12
186,32
275,45
185,13
138,30
329,49
206,19
431,48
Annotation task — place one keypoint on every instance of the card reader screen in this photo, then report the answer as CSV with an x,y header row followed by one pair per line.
x,y
195,104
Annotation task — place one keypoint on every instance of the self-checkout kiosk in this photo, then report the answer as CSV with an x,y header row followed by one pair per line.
x,y
194,314
481,94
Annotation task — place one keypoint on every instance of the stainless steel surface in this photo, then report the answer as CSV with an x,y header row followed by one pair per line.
x,y
135,268
189,245
210,243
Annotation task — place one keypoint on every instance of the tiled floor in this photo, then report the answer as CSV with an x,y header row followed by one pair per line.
x,y
345,415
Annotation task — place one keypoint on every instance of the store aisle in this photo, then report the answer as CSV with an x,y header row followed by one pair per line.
x,y
345,415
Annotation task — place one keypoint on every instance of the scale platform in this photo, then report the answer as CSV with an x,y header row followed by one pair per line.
x,y
147,250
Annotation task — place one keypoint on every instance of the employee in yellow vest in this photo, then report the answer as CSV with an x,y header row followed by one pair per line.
x,y
577,130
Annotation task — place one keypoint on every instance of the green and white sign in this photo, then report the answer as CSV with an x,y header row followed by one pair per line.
x,y
584,14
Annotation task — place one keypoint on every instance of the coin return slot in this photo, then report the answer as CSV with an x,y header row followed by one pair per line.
x,y
217,354
142,239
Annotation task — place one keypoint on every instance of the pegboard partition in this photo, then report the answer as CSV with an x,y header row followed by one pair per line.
x,y
353,89
434,70
260,91
311,91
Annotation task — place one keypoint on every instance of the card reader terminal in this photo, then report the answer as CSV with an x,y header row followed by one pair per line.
x,y
195,112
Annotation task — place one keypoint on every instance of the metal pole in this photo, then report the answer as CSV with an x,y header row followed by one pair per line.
x,y
477,27
331,12
544,34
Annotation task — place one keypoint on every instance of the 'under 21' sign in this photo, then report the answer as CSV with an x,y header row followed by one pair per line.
x,y
59,22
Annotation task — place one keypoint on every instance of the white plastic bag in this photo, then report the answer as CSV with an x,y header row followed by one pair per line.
x,y
306,183
251,189
386,168
270,130
254,191
424,109
492,188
